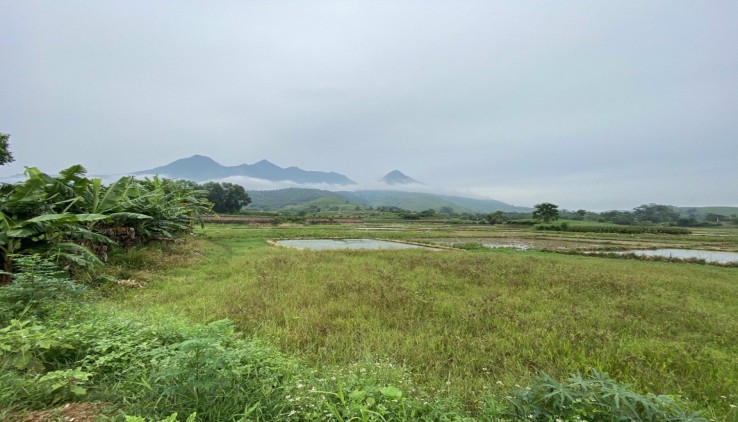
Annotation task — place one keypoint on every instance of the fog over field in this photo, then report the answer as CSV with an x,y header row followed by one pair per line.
x,y
596,105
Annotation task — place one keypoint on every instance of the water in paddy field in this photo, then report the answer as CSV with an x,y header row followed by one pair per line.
x,y
518,246
330,244
709,256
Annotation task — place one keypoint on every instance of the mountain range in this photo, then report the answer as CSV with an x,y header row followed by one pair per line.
x,y
200,168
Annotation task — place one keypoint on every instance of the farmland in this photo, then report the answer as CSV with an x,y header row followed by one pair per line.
x,y
465,323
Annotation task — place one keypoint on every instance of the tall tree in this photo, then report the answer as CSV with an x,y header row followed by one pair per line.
x,y
5,155
655,213
226,197
546,212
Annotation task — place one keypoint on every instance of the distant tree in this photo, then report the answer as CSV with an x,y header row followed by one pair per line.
x,y
496,217
656,213
618,217
5,155
715,218
546,212
226,197
687,222
447,211
430,212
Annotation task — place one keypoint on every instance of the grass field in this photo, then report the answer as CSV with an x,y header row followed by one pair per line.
x,y
466,322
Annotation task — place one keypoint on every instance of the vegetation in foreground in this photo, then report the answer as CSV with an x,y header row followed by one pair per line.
x,y
462,321
57,348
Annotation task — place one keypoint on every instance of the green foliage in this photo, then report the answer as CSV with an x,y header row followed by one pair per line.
x,y
523,222
593,398
497,217
23,345
36,288
226,197
604,228
546,211
74,219
655,213
5,155
171,418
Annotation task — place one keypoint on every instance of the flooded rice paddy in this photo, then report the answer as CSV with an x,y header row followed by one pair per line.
x,y
708,256
333,244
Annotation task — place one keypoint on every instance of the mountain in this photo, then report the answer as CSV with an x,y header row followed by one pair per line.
x,y
200,168
396,177
293,198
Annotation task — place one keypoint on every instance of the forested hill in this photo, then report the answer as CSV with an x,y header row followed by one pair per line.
x,y
411,201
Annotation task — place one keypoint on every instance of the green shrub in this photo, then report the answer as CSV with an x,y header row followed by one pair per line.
x,y
613,229
593,398
36,288
523,222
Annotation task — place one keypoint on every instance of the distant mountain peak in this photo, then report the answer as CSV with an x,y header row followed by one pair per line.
x,y
197,158
396,177
201,168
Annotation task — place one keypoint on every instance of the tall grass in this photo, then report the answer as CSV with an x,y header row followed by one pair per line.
x,y
469,322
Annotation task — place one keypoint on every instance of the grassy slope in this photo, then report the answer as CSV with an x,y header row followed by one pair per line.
x,y
461,320
413,201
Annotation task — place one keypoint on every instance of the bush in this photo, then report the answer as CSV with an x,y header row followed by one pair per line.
x,y
613,229
523,222
36,288
594,398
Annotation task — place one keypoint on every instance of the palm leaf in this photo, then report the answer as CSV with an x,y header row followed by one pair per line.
x,y
75,253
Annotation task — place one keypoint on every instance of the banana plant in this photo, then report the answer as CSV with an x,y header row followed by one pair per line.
x,y
34,214
68,215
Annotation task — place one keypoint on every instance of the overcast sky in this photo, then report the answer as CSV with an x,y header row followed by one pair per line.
x,y
587,104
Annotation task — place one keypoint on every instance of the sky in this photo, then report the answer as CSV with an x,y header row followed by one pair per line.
x,y
597,105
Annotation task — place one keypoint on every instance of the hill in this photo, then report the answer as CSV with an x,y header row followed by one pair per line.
x,y
271,200
412,201
200,168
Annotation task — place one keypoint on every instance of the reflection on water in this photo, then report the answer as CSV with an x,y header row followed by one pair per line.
x,y
328,244
518,246
709,256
